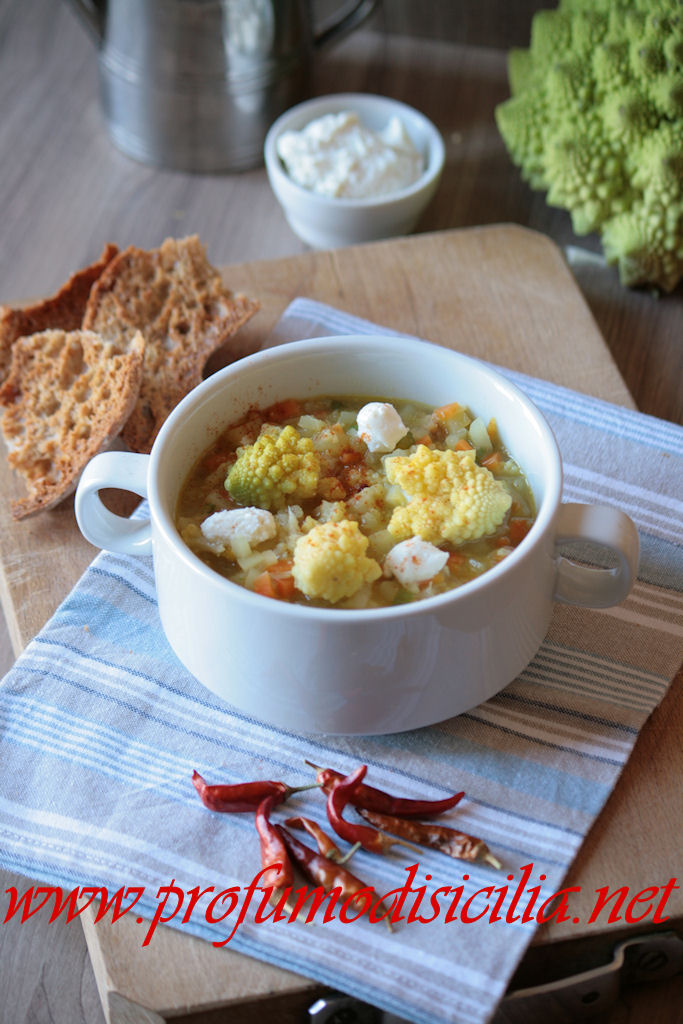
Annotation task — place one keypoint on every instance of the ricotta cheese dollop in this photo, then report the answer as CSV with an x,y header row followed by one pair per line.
x,y
415,561
253,524
380,426
336,155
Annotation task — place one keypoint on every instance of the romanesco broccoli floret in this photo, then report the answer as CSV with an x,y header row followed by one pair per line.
x,y
647,237
279,468
585,177
330,561
451,498
600,80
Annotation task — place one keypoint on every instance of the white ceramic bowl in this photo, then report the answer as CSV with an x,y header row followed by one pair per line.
x,y
327,670
326,222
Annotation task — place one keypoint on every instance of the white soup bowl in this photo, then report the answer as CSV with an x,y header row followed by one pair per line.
x,y
328,670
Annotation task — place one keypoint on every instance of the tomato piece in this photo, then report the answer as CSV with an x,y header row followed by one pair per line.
x,y
517,530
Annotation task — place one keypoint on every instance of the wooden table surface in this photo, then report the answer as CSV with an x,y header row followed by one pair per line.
x,y
64,190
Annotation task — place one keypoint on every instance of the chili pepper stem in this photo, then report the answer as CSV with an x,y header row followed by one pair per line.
x,y
276,896
349,853
493,861
302,789
288,905
402,842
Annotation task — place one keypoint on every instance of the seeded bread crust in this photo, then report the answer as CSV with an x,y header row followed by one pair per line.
x,y
185,312
66,396
63,311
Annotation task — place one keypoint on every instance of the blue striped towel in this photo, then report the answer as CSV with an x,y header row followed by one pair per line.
x,y
101,727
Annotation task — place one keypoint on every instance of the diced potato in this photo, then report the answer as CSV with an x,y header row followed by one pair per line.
x,y
479,435
455,436
367,500
381,543
241,548
252,561
394,496
387,590
310,425
331,512
372,520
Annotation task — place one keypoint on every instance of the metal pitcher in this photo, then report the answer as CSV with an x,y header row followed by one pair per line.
x,y
194,85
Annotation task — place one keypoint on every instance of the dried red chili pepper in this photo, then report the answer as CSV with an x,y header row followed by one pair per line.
x,y
243,796
376,800
437,837
326,846
341,794
273,849
324,872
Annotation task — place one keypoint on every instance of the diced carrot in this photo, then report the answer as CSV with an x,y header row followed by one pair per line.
x,y
282,568
287,409
276,582
445,412
518,529
492,431
284,587
281,576
462,445
493,461
264,585
426,440
455,560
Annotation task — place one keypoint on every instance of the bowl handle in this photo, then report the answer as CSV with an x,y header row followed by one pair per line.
x,y
612,529
104,529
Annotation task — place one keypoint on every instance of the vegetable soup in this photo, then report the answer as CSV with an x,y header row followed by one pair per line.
x,y
352,502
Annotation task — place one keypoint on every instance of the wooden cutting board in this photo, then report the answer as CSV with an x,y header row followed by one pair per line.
x,y
504,294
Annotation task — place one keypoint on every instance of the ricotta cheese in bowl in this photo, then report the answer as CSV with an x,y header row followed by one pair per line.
x,y
353,168
337,155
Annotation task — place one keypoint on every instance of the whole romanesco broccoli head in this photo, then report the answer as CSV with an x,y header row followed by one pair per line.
x,y
451,498
330,561
595,118
279,468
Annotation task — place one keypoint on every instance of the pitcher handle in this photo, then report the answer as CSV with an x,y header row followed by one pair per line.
x,y
91,13
128,472
610,528
342,24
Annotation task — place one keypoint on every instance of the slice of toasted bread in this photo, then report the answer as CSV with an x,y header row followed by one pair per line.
x,y
185,312
63,311
66,396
